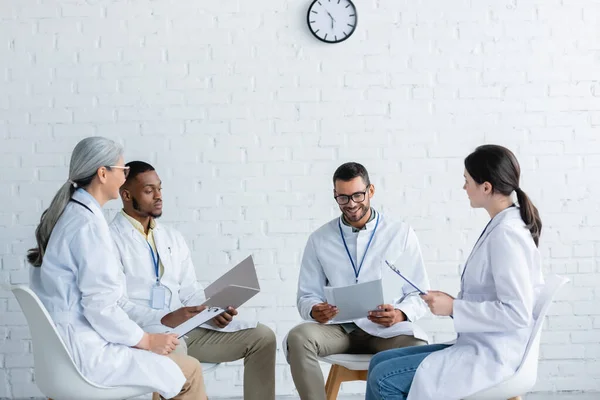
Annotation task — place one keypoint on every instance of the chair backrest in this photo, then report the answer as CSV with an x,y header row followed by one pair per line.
x,y
52,362
540,309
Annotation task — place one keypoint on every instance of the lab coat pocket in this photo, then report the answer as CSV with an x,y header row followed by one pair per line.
x,y
453,362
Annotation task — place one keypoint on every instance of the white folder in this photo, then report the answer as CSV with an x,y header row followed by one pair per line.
x,y
232,289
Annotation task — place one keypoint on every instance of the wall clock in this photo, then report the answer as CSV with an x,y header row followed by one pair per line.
x,y
332,21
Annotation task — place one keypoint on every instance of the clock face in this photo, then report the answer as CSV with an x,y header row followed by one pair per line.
x,y
332,21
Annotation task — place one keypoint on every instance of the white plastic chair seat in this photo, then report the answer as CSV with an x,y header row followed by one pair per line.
x,y
353,362
56,374
526,375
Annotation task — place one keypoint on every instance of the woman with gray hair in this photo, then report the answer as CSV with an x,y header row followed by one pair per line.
x,y
78,278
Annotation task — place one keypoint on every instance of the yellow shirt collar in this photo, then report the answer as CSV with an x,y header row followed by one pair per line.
x,y
137,225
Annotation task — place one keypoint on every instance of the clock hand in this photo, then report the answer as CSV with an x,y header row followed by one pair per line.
x,y
332,19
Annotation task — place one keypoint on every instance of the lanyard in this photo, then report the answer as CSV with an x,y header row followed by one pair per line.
x,y
357,272
156,261
81,204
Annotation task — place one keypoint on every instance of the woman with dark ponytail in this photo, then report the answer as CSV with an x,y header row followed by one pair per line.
x,y
78,278
493,312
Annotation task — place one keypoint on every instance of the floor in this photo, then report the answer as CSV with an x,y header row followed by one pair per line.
x,y
536,396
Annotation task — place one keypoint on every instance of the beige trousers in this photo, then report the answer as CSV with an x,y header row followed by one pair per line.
x,y
308,341
257,346
193,388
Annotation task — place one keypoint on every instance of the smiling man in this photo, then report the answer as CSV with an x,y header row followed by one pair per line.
x,y
162,289
353,249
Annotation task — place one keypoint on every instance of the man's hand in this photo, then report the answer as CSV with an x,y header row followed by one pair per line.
x,y
439,303
386,315
178,317
159,343
323,312
222,320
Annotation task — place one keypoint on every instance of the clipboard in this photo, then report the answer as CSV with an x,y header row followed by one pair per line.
x,y
397,271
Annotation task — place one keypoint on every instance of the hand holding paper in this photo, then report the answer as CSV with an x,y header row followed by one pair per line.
x,y
199,319
439,303
323,312
354,301
224,296
181,315
222,320
386,315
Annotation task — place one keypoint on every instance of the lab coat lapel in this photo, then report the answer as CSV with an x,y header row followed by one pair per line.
x,y
129,230
494,223
89,203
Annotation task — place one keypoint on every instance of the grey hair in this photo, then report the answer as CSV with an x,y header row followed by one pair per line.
x,y
88,155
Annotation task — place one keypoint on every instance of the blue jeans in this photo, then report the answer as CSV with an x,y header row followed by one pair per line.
x,y
391,372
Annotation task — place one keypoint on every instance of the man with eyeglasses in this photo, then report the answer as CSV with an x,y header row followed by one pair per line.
x,y
162,290
348,250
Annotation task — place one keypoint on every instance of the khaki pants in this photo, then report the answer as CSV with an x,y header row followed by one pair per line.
x,y
257,346
193,388
308,341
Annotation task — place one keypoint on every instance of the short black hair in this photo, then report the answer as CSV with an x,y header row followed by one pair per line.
x,y
350,170
136,168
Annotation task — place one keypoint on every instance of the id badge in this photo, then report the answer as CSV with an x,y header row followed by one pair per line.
x,y
158,297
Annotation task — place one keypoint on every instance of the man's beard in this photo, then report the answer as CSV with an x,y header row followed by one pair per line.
x,y
136,207
364,209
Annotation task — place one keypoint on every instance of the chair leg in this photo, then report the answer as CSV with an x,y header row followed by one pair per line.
x,y
334,380
339,374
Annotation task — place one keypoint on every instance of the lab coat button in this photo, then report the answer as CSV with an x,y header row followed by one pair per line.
x,y
425,364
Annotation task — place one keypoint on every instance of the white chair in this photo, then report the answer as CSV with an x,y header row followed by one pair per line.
x,y
345,368
353,367
525,377
55,372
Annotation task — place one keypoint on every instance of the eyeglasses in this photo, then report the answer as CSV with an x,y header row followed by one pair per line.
x,y
357,197
125,169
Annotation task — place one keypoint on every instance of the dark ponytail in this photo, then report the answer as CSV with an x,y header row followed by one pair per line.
x,y
499,166
529,215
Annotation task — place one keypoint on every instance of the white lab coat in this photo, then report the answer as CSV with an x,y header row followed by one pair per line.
x,y
325,263
493,314
80,284
179,277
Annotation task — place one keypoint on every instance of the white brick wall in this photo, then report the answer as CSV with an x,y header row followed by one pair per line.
x,y
246,116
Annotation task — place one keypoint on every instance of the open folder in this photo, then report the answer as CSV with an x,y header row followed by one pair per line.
x,y
354,301
232,289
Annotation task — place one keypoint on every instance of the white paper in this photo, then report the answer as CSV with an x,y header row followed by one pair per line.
x,y
354,301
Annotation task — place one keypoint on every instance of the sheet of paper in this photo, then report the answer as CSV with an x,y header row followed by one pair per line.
x,y
354,301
